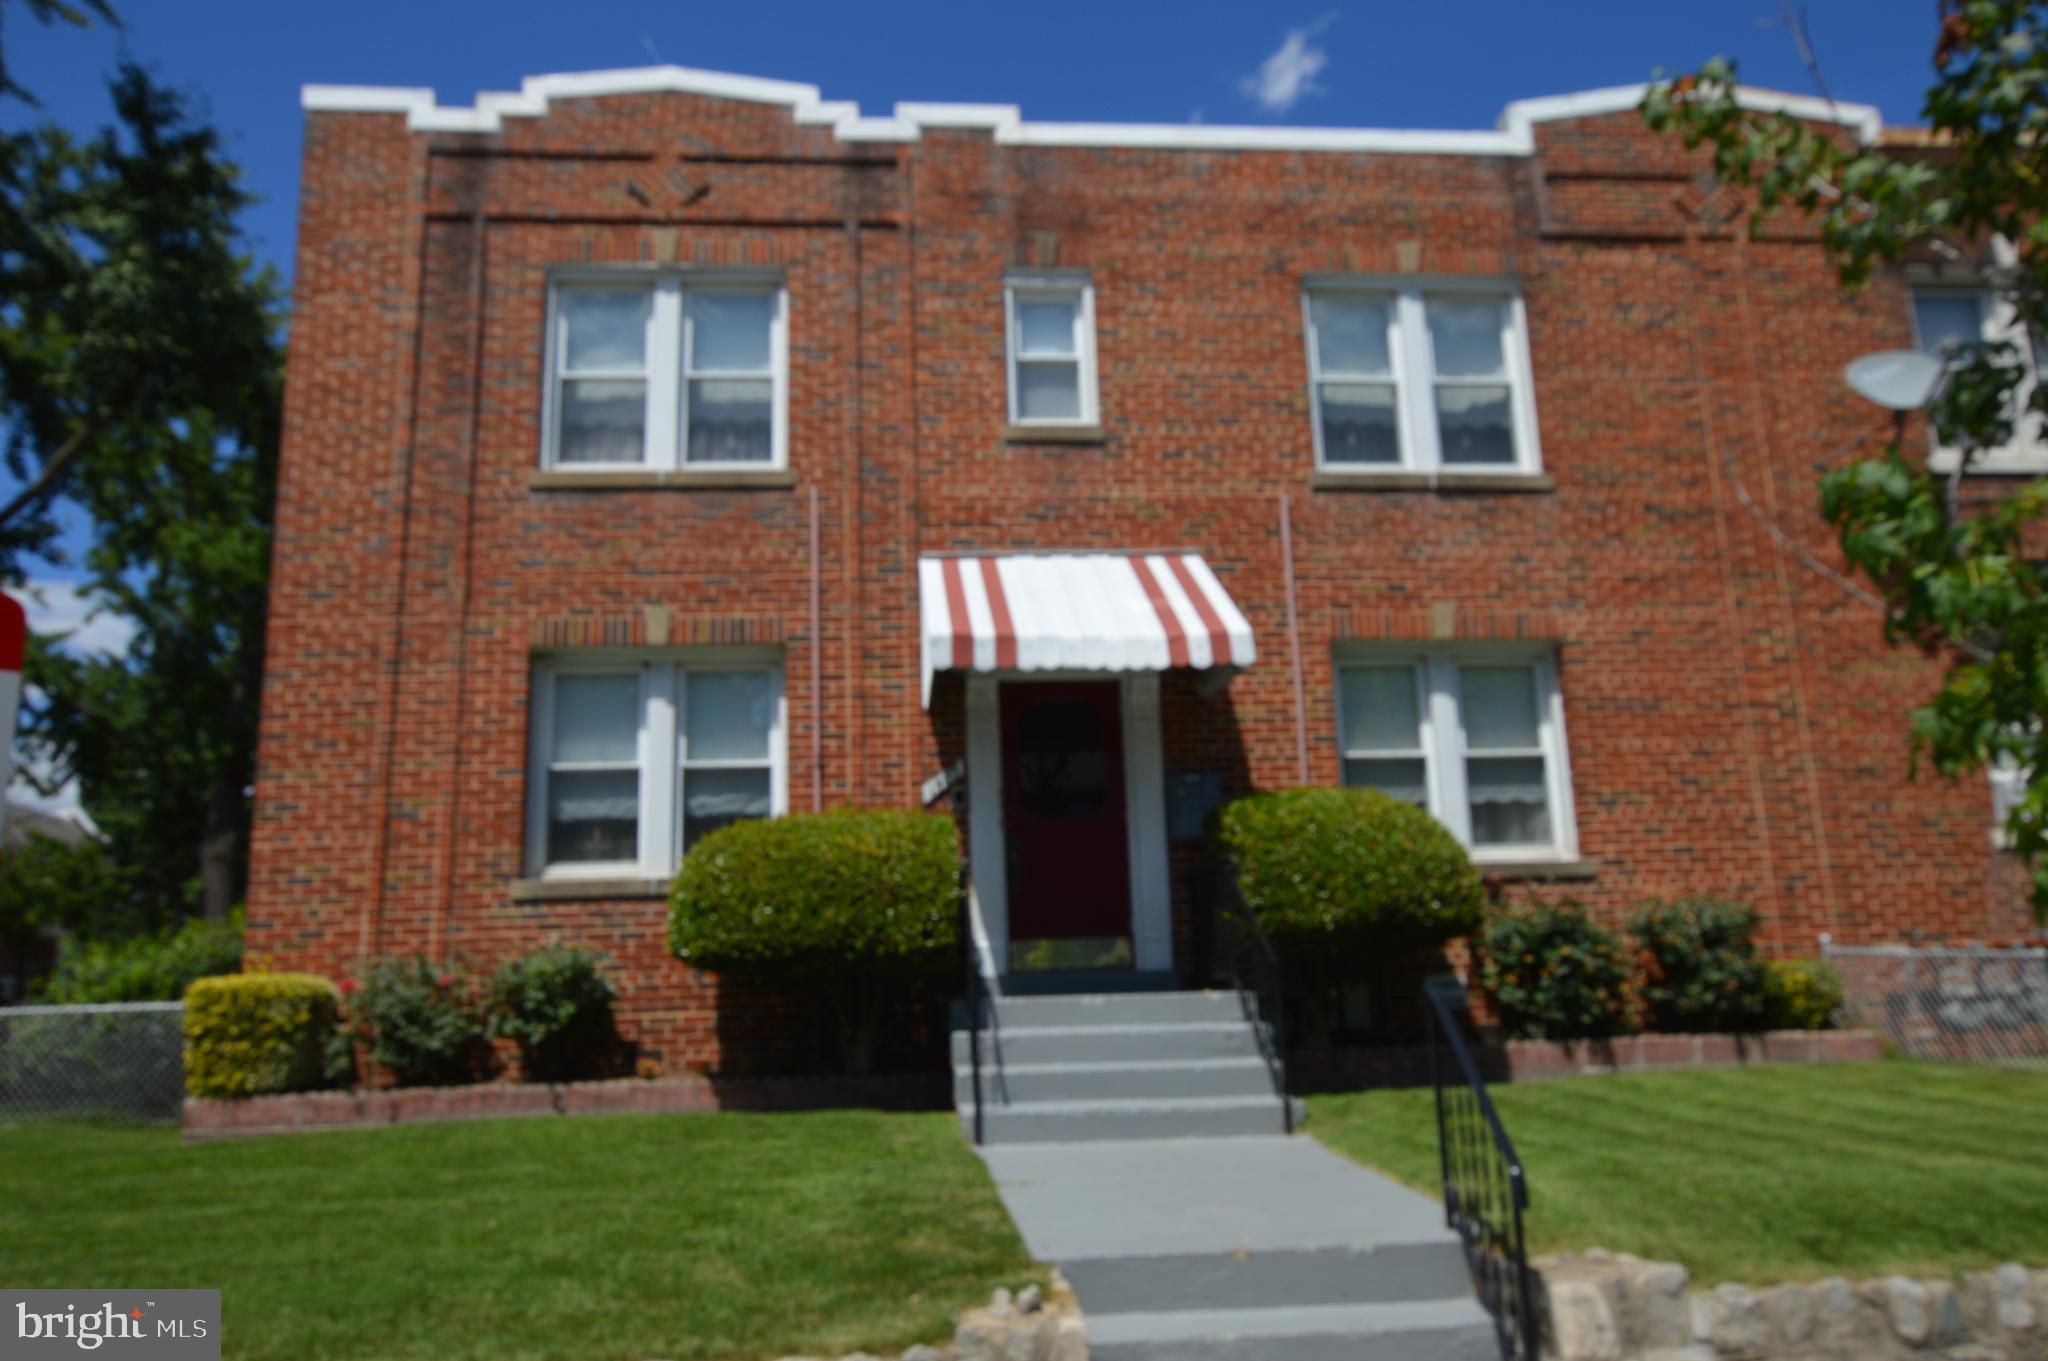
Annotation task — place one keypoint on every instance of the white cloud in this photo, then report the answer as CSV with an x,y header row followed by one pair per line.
x,y
1290,72
65,607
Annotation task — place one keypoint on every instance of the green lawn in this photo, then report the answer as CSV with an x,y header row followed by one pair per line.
x,y
1759,1174
624,1237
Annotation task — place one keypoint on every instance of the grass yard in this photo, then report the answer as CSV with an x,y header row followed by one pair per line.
x,y
1758,1174
718,1237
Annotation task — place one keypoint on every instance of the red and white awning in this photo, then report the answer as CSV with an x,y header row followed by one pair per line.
x,y
1077,612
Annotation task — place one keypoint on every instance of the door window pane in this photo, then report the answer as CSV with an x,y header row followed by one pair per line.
x,y
606,328
713,798
1404,779
593,815
1945,319
732,420
1045,327
1464,335
1509,803
1351,335
1379,709
1359,423
1474,424
1048,391
1499,707
597,718
604,420
730,332
729,714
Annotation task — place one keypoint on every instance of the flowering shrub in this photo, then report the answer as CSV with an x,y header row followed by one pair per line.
x,y
421,1021
555,1003
1554,973
1701,970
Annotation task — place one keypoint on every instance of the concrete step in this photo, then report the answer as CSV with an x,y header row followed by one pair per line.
x,y
1076,1121
1013,1083
1127,1008
1011,1045
1429,1330
1382,1273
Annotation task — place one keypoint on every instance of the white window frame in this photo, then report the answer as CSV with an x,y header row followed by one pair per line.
x,y
663,760
1053,286
668,384
1997,321
1444,747
1413,363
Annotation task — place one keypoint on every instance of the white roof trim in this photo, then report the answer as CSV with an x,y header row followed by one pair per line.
x,y
1005,122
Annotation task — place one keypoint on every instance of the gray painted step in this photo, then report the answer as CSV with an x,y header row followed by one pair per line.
x,y
1008,1045
1014,1083
1431,1330
1385,1273
1076,1121
1136,1008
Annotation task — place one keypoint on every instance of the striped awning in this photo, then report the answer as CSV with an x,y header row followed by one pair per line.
x,y
1077,612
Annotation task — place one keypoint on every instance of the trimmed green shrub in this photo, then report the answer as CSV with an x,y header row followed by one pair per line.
x,y
1701,970
555,1003
1350,876
420,1020
874,890
855,905
1554,973
152,968
1801,994
257,1033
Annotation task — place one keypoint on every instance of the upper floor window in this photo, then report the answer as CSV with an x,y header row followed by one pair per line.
x,y
666,373
1477,740
1946,318
633,762
1050,323
1424,380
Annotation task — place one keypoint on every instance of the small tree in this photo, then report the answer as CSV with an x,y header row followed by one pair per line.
x,y
852,904
1962,585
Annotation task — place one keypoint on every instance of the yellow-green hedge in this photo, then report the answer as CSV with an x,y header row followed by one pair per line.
x,y
256,1033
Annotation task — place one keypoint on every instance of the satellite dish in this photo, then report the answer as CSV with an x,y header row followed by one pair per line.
x,y
1898,380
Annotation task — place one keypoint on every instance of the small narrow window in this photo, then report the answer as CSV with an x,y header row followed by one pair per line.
x,y
1357,402
729,365
593,776
1506,781
602,362
1052,354
1474,399
1384,746
728,751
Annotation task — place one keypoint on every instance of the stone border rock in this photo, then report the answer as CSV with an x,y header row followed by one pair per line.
x,y
1032,1325
1614,1307
297,1112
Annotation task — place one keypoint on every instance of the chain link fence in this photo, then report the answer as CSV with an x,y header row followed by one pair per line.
x,y
119,1059
1968,1004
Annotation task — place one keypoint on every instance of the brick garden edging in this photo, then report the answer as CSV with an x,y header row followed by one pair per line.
x,y
207,1118
1346,1069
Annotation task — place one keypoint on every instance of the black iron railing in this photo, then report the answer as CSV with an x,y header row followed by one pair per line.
x,y
1485,1189
1243,955
973,1000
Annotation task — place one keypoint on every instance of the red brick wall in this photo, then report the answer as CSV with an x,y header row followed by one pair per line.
x,y
1734,724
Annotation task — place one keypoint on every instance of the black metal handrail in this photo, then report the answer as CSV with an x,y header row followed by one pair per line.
x,y
974,998
1485,1188
1245,956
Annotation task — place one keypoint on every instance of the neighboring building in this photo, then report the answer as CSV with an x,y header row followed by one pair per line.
x,y
665,447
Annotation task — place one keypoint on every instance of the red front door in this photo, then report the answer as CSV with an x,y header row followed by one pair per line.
x,y
1068,861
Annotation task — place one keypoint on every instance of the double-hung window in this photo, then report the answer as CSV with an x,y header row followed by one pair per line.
x,y
667,373
1050,326
634,761
1432,380
1476,739
1946,318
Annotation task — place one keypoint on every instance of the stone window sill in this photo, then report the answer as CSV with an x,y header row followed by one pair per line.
x,y
1449,483
550,479
1053,434
583,890
1538,870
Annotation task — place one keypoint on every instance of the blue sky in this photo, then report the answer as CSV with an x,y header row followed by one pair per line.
x,y
1402,65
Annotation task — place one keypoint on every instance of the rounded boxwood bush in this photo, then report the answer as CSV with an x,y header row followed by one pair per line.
x,y
1349,876
1701,970
254,1034
870,890
1553,973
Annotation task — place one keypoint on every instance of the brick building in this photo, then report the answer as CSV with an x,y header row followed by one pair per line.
x,y
665,447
